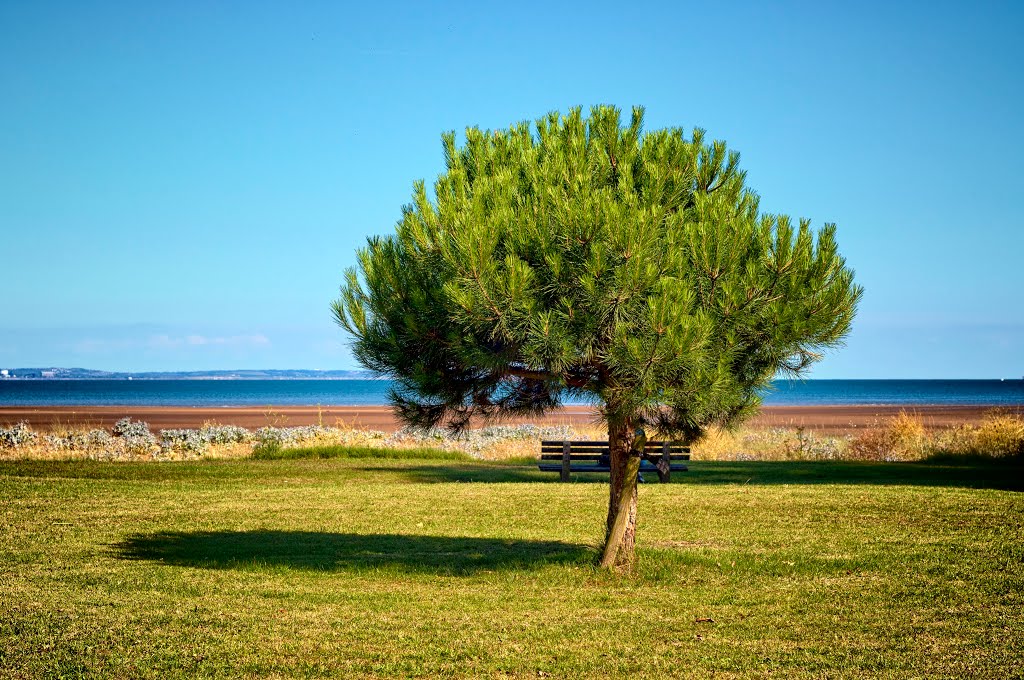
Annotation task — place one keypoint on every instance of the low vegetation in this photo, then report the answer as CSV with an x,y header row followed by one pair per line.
x,y
133,440
367,567
902,438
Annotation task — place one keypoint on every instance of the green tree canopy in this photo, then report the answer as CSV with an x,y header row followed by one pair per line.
x,y
584,256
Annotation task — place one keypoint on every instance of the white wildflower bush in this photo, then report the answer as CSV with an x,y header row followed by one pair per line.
x,y
478,443
99,440
282,437
135,438
798,444
18,435
193,443
274,438
183,441
225,434
67,441
131,440
98,444
126,427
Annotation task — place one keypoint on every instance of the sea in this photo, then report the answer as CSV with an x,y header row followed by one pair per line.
x,y
994,393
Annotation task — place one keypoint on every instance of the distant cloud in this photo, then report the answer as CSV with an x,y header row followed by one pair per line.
x,y
169,342
184,347
99,346
163,341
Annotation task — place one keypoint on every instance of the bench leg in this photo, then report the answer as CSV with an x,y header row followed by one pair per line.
x,y
565,461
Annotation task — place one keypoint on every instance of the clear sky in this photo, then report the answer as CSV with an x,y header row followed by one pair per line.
x,y
182,184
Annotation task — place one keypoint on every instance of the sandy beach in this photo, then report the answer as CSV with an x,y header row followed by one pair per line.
x,y
824,419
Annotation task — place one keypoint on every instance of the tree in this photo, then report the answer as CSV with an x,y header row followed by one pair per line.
x,y
585,257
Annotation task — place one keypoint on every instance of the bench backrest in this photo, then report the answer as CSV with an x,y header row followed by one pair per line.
x,y
596,450
666,456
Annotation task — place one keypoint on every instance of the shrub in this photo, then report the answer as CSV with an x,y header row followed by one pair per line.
x,y
1000,435
98,440
184,441
16,436
74,440
902,438
126,427
284,436
496,441
135,437
872,444
198,442
225,434
269,440
83,440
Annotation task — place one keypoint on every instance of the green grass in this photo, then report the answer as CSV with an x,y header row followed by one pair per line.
x,y
351,566
344,451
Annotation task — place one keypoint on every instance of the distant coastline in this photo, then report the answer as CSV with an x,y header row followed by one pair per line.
x,y
60,373
56,373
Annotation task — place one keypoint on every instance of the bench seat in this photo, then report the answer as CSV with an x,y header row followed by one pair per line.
x,y
592,456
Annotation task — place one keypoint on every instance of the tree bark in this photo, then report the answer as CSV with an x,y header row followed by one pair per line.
x,y
622,494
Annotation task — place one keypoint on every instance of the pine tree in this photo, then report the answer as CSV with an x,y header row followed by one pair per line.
x,y
585,257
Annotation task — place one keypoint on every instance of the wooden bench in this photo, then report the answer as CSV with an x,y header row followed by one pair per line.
x,y
592,456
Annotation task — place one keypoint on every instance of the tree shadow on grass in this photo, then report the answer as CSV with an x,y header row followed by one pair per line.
x,y
486,473
327,551
1007,476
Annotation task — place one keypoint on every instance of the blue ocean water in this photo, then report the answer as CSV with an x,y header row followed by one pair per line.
x,y
370,392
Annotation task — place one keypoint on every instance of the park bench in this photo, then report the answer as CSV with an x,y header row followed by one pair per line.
x,y
592,456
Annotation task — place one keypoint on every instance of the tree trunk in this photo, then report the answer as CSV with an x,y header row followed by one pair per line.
x,y
621,495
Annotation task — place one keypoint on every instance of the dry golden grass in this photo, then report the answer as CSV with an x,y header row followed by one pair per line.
x,y
228,451
1000,435
901,438
905,438
511,449
775,444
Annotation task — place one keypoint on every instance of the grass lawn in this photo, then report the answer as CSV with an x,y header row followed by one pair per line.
x,y
383,568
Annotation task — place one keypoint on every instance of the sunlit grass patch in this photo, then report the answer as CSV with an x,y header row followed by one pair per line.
x,y
358,567
343,451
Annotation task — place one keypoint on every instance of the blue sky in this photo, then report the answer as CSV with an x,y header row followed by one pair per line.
x,y
182,184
